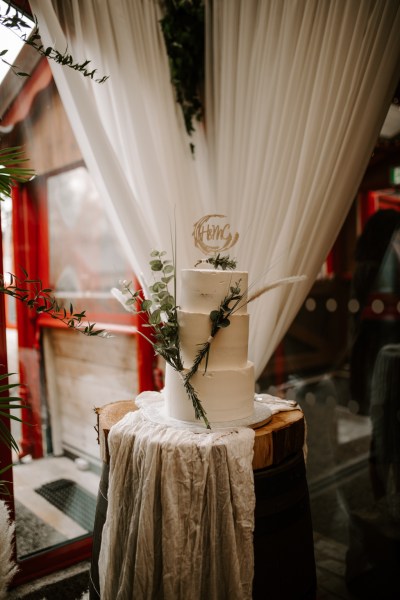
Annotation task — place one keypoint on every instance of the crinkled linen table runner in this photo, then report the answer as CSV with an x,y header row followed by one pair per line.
x,y
180,515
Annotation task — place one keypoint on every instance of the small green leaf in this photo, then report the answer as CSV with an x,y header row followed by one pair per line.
x,y
166,307
156,265
224,323
214,315
158,286
167,279
146,305
155,317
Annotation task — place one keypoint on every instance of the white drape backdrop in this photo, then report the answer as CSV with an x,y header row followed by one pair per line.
x,y
296,93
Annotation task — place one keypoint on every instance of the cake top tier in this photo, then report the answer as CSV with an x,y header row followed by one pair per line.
x,y
203,290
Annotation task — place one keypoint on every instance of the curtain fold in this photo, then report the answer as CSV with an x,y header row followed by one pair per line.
x,y
296,93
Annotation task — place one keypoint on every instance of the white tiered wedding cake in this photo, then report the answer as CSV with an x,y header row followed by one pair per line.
x,y
202,335
225,382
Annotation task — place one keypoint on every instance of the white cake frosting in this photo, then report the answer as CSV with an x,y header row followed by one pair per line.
x,y
226,395
203,290
228,348
226,388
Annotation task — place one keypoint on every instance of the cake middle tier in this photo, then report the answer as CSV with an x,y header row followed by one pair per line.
x,y
228,349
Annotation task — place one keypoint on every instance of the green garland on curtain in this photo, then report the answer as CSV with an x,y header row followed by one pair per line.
x,y
183,30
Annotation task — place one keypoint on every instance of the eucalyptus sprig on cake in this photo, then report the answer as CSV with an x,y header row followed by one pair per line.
x,y
160,308
161,311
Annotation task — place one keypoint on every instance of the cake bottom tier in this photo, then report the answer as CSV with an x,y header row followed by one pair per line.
x,y
225,395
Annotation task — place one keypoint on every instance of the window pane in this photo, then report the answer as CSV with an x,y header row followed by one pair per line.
x,y
86,258
341,361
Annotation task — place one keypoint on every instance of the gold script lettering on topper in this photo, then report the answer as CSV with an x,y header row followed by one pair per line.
x,y
211,236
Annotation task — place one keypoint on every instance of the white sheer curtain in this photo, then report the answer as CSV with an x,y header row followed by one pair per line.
x,y
296,93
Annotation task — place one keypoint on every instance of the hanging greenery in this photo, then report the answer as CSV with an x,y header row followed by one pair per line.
x,y
14,20
183,30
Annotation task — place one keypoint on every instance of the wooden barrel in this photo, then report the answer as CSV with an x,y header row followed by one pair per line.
x,y
283,541
284,566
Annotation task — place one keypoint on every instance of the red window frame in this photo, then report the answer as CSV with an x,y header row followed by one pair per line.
x,y
30,228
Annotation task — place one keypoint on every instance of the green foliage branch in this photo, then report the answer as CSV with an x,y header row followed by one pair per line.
x,y
10,173
219,262
32,293
183,29
8,403
160,310
161,314
13,19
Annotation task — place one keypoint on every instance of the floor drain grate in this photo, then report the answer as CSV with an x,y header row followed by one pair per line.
x,y
72,499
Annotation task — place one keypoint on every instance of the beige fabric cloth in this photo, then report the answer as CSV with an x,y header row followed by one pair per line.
x,y
180,513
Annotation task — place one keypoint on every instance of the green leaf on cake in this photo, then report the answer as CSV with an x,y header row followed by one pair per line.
x,y
146,304
156,265
224,323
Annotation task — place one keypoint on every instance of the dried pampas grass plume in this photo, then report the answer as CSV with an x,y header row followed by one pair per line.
x,y
7,566
274,284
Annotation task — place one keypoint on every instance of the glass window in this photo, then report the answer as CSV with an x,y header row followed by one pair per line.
x,y
63,228
341,361
56,229
85,257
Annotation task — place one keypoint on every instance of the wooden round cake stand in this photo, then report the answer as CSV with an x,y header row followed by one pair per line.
x,y
282,436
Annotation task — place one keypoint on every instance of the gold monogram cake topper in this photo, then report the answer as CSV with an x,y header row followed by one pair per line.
x,y
211,235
